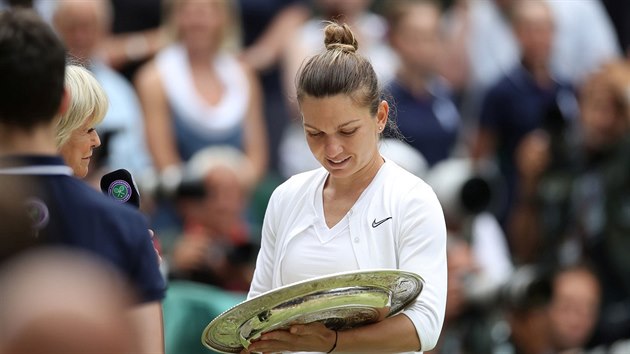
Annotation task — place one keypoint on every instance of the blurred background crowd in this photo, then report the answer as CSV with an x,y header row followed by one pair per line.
x,y
516,112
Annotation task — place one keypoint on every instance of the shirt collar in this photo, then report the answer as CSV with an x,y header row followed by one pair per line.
x,y
34,165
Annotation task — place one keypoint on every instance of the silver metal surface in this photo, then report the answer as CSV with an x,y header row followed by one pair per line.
x,y
340,301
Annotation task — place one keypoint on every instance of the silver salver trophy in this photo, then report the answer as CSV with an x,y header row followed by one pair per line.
x,y
340,301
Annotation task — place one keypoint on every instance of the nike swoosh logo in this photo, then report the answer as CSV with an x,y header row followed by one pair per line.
x,y
377,223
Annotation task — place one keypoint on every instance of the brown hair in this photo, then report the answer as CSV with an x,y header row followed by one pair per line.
x,y
32,68
340,70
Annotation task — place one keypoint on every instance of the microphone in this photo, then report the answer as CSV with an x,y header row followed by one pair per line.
x,y
120,186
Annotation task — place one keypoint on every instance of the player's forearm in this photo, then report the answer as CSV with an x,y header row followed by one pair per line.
x,y
392,335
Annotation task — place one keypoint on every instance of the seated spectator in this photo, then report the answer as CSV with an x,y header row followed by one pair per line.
x,y
574,308
210,263
215,245
83,27
195,93
425,112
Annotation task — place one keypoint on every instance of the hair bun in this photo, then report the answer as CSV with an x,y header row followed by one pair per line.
x,y
340,37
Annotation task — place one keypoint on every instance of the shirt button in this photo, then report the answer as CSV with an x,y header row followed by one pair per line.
x,y
350,212
356,240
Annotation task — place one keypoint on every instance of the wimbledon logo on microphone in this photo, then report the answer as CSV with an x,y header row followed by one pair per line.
x,y
119,190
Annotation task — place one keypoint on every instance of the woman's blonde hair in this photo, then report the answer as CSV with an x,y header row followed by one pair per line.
x,y
88,103
231,34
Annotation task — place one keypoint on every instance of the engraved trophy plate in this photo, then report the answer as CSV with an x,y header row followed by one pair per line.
x,y
340,301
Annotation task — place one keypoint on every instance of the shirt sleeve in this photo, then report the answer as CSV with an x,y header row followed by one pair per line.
x,y
263,274
422,250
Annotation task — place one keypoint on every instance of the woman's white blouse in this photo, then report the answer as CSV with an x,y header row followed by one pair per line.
x,y
396,224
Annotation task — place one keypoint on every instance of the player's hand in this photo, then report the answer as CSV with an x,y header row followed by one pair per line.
x,y
314,337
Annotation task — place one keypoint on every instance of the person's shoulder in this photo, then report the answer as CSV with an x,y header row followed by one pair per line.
x,y
409,192
85,217
92,205
402,182
148,76
299,183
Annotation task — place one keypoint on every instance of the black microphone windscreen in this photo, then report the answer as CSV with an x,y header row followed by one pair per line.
x,y
120,186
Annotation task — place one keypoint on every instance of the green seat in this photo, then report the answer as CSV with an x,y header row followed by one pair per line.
x,y
188,308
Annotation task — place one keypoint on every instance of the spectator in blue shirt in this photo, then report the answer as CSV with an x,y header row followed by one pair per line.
x,y
524,98
426,114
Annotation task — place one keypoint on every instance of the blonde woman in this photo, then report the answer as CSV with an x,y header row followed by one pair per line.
x,y
76,139
75,135
195,93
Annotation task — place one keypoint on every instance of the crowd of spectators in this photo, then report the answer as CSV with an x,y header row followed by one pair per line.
x,y
517,113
